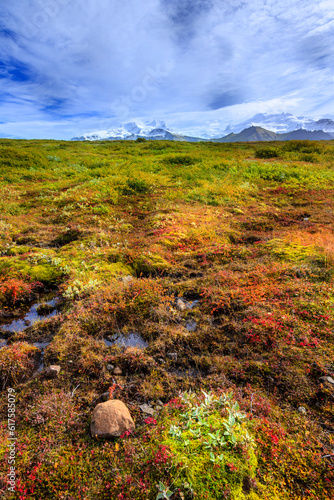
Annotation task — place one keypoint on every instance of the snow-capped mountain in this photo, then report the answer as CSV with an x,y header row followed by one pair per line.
x,y
129,131
282,122
275,124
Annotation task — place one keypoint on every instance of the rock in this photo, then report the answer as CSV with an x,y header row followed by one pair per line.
x,y
181,304
326,379
172,355
111,419
110,368
191,325
52,371
127,279
117,371
147,409
302,410
158,408
27,322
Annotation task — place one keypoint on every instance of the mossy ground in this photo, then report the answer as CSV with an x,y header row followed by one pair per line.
x,y
122,229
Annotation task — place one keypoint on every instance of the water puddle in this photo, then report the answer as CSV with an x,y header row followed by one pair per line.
x,y
129,340
38,311
187,374
40,358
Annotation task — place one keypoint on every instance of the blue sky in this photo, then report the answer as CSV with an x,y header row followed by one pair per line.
x,y
74,66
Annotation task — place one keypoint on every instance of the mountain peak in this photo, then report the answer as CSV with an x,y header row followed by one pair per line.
x,y
282,123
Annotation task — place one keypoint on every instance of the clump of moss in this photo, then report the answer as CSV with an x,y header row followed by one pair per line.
x,y
213,447
149,264
80,354
17,361
291,251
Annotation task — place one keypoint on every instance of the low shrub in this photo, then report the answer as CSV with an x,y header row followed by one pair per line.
x,y
17,361
265,153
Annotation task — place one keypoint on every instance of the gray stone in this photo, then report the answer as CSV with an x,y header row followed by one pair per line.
x,y
327,379
110,368
302,410
127,279
52,371
147,409
181,304
172,355
111,419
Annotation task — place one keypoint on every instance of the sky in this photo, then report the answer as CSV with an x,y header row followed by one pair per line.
x,y
69,67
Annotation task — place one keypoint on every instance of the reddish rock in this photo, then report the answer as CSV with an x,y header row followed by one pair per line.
x,y
111,419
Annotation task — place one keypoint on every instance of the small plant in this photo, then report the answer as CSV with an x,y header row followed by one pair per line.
x,y
15,290
210,433
135,185
266,153
164,492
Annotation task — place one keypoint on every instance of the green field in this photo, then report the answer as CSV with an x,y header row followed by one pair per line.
x,y
219,257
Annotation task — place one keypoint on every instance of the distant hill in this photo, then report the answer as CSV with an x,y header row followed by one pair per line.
x,y
301,134
281,123
251,134
255,134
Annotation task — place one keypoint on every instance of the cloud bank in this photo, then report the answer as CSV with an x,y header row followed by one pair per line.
x,y
71,66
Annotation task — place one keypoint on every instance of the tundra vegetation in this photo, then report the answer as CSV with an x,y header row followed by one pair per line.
x,y
220,258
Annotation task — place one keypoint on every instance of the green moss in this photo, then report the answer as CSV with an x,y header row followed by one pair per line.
x,y
290,251
18,250
212,447
149,263
115,269
46,273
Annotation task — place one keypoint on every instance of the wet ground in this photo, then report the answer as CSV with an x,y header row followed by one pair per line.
x,y
130,340
25,318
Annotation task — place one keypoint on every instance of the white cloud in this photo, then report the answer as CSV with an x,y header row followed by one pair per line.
x,y
70,64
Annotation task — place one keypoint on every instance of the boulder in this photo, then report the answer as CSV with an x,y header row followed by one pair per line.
x,y
111,419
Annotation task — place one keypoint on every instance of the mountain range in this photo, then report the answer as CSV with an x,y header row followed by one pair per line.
x,y
254,134
281,127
